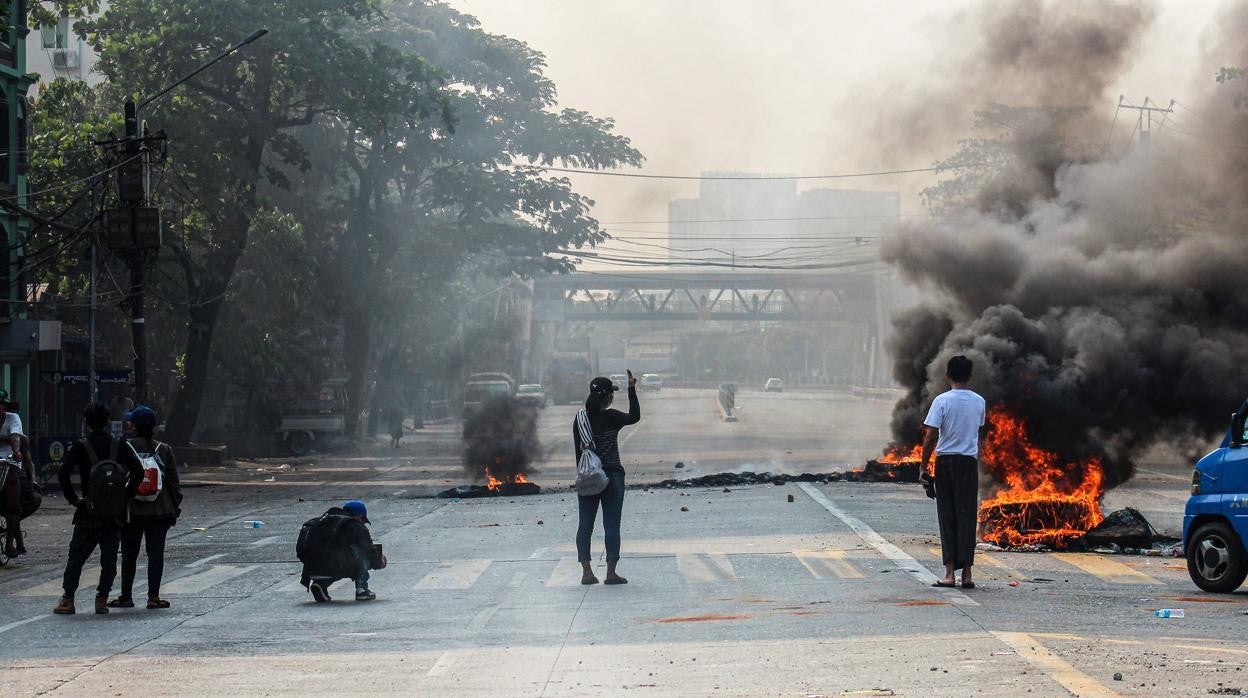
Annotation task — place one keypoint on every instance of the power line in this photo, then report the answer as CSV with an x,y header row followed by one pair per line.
x,y
748,178
763,220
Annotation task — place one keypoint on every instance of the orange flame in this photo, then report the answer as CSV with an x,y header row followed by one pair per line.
x,y
1042,500
496,485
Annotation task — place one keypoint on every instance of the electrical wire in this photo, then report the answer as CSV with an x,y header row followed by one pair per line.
x,y
747,178
76,181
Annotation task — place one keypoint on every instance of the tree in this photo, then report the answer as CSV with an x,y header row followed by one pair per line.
x,y
422,200
232,128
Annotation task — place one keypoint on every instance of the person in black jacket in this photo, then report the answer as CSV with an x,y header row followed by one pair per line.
x,y
149,520
606,425
341,548
90,530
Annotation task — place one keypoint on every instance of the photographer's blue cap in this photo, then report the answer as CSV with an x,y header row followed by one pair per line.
x,y
356,508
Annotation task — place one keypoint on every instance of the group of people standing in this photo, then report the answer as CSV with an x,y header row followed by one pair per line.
x,y
129,494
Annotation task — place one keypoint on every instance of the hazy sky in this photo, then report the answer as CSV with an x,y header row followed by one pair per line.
x,y
781,86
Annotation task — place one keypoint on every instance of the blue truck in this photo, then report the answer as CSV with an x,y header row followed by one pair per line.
x,y
1215,524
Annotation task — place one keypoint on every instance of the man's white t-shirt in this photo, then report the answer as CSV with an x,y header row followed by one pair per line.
x,y
12,425
958,414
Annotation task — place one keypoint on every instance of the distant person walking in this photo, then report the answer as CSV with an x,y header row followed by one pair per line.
x,y
605,424
394,420
952,430
110,475
152,513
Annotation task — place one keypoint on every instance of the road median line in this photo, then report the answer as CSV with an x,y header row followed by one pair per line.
x,y
888,550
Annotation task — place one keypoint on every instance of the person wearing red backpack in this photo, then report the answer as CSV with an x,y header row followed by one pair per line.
x,y
154,510
110,474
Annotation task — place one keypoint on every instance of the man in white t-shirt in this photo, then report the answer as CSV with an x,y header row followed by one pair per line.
x,y
952,431
10,490
10,433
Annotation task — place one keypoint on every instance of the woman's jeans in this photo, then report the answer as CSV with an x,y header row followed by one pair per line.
x,y
612,500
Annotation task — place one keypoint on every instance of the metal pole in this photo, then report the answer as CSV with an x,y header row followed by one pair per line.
x,y
92,388
138,329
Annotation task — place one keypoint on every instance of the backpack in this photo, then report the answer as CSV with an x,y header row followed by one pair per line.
x,y
318,536
106,490
153,474
153,506
591,479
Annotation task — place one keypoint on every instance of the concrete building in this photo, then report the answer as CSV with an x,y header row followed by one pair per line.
x,y
57,52
21,338
767,221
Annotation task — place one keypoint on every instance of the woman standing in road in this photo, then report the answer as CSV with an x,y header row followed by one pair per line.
x,y
605,424
150,520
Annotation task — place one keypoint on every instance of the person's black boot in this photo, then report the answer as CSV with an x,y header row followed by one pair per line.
x,y
364,595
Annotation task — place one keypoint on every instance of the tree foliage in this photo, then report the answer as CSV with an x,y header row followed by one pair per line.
x,y
334,189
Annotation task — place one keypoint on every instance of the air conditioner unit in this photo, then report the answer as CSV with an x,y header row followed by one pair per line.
x,y
64,59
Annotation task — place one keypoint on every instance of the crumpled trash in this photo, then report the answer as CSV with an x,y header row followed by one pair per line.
x,y
989,547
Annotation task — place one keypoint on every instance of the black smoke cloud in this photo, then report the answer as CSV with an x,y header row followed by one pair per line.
x,y
501,436
1100,292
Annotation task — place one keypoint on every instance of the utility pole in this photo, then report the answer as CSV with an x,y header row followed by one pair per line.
x,y
1145,121
133,230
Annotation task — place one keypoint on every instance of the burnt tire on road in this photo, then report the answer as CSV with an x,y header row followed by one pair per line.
x,y
1216,559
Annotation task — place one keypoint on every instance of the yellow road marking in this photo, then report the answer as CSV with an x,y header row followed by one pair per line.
x,y
453,574
566,573
202,581
87,582
1054,666
1108,570
987,560
826,563
1205,648
706,569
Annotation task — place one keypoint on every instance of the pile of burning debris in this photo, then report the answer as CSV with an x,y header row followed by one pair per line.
x,y
500,445
1041,501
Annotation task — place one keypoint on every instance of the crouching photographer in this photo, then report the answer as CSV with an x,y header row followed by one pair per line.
x,y
337,545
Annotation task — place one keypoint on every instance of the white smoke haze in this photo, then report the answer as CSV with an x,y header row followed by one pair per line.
x,y
1097,290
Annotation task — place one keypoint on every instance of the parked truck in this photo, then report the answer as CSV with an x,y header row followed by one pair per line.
x,y
1215,523
571,370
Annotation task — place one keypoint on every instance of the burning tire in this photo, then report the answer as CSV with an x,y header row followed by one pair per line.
x,y
1215,558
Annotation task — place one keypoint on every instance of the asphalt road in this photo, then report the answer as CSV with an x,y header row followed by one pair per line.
x,y
745,593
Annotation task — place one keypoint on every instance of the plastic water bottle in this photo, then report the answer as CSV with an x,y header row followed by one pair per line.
x,y
1168,613
253,524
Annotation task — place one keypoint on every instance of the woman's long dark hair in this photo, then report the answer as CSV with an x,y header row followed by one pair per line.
x,y
597,402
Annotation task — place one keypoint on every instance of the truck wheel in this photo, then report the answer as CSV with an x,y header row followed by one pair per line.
x,y
1216,558
299,443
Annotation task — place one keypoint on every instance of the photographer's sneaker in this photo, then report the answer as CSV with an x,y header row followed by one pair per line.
x,y
320,593
364,595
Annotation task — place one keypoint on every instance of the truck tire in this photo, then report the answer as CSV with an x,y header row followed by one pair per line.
x,y
1216,558
299,443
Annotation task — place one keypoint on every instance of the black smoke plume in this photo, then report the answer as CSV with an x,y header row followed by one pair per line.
x,y
501,436
1098,289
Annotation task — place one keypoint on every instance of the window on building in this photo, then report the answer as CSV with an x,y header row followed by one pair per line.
x,y
7,31
57,35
